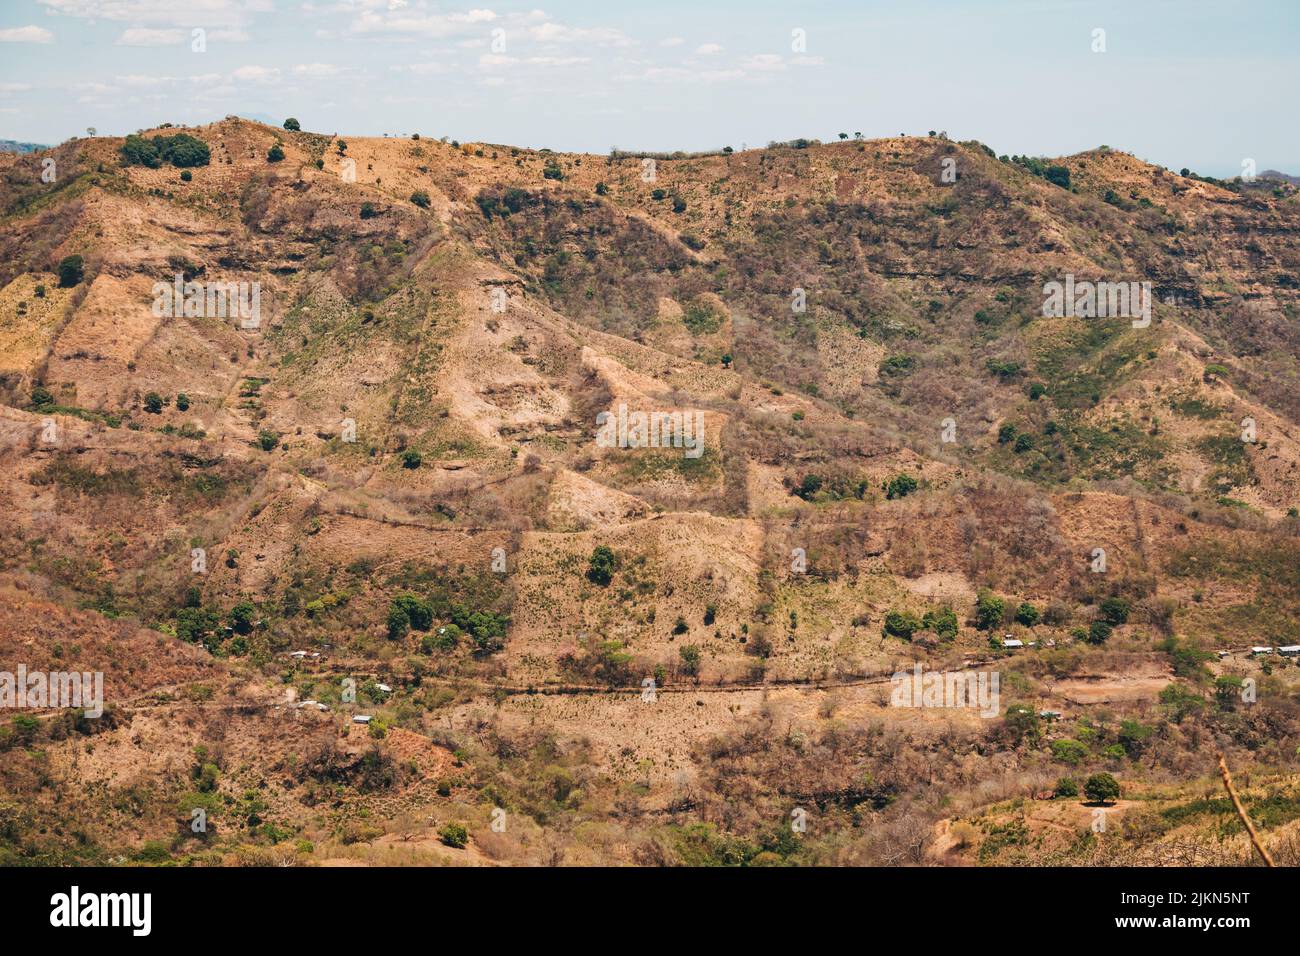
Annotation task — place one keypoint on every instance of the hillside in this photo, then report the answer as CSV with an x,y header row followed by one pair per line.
x,y
392,473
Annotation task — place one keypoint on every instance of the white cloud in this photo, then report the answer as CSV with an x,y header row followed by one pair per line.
x,y
14,87
315,70
763,62
708,49
256,74
422,69
210,13
551,32
31,34
676,74
145,36
672,41
140,81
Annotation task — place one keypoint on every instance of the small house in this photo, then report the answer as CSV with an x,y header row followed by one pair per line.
x,y
1049,714
1261,650
1289,650
362,718
1010,643
384,688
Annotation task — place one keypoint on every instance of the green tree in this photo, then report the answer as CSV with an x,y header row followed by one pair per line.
x,y
421,199
412,458
900,486
901,624
1066,787
241,617
1099,632
275,154
1071,752
71,271
292,125
1021,721
1115,611
153,403
943,623
1101,788
600,566
988,610
691,656
454,835
418,612
1028,615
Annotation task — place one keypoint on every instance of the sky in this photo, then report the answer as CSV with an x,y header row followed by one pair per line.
x,y
1206,85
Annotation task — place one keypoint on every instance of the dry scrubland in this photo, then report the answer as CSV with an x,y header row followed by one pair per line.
x,y
379,559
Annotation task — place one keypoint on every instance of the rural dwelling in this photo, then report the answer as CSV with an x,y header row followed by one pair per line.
x,y
1290,650
1011,642
362,718
1261,650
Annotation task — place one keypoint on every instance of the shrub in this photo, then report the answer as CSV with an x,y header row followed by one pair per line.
x,y
1071,752
71,271
368,210
1058,175
600,566
1021,721
419,613
602,189
690,655
943,623
275,154
267,440
153,403
552,171
292,125
900,486
988,610
241,617
182,402
138,151
186,175
421,199
680,626
412,458
181,150
1066,787
42,396
398,623
454,835
1027,615
901,624
1115,611
1101,788
1099,632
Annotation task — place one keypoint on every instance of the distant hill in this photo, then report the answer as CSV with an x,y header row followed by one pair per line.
x,y
12,146
1286,177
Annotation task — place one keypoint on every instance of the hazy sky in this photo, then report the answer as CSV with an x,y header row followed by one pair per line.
x,y
1180,83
